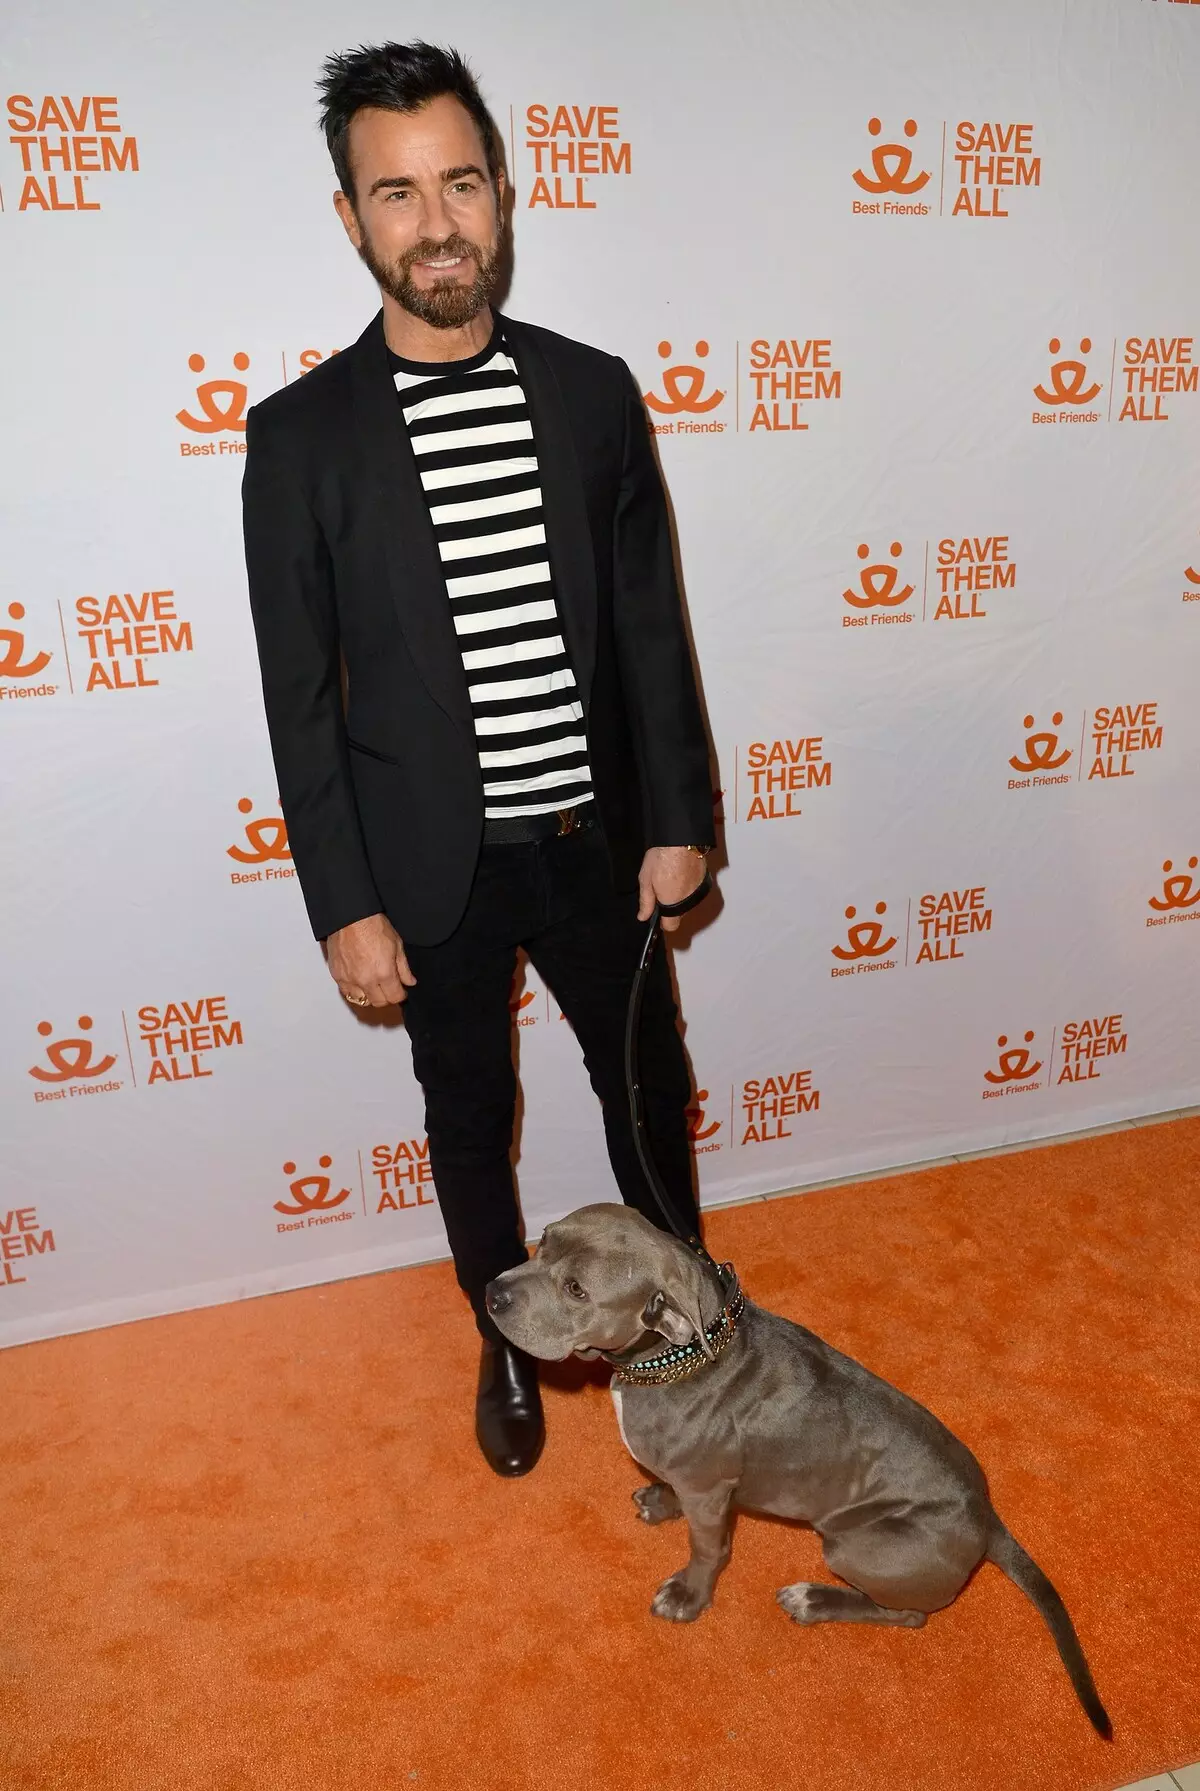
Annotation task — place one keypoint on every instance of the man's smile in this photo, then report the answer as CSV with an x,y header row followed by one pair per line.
x,y
443,264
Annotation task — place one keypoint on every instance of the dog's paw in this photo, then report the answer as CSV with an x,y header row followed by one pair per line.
x,y
656,1503
810,1602
676,1601
802,1602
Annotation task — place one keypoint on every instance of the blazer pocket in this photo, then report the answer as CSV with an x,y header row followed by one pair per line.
x,y
370,752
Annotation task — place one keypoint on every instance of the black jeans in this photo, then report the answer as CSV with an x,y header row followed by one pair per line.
x,y
555,899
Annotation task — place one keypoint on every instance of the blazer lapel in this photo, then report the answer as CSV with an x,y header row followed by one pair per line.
x,y
396,511
568,531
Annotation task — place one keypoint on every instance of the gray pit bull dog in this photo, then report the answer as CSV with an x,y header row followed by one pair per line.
x,y
746,1408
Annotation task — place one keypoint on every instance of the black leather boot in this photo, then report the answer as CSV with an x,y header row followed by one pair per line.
x,y
508,1410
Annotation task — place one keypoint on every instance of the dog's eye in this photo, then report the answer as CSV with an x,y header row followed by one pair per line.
x,y
576,1292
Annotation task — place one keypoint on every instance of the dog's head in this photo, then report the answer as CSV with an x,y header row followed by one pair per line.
x,y
601,1279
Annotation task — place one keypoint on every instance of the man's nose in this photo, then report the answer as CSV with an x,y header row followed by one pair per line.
x,y
497,1298
436,224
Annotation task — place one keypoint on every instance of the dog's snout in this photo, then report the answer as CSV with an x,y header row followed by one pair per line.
x,y
498,1298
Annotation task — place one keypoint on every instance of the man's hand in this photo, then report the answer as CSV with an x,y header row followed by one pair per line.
x,y
668,874
367,958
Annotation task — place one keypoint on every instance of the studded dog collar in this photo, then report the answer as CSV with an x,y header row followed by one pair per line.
x,y
677,1363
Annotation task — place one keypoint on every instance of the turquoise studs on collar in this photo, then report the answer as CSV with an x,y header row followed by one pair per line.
x,y
676,1364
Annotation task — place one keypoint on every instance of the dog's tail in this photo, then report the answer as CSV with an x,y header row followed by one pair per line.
x,y
1006,1552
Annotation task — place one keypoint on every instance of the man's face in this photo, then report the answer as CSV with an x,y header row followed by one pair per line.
x,y
426,218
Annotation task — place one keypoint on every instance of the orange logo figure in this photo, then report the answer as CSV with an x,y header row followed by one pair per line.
x,y
1189,572
893,179
681,396
319,1199
1014,1063
12,645
878,582
268,836
66,1067
517,1002
865,938
217,417
1177,889
1039,747
697,1130
1067,377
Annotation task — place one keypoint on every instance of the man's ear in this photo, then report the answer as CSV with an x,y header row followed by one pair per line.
x,y
674,1312
344,206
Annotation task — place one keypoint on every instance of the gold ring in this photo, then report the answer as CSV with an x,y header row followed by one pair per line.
x,y
360,1000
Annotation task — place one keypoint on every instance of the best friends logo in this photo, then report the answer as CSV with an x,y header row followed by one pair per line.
x,y
1121,734
399,1179
123,639
264,850
865,947
782,379
879,585
1152,369
966,570
313,1198
1179,897
178,1038
1190,595
1042,756
221,401
684,397
72,1066
1079,1051
702,1131
769,1106
1015,1069
1068,388
946,922
891,173
984,164
22,662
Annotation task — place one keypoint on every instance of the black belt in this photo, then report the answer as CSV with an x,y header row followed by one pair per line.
x,y
526,830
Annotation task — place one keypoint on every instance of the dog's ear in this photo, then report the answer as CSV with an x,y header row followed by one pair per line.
x,y
674,1310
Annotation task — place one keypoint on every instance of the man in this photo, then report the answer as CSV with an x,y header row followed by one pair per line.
x,y
466,510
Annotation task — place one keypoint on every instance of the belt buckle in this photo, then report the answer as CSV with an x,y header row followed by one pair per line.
x,y
568,821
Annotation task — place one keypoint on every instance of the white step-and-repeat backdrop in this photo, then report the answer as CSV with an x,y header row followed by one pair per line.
x,y
913,293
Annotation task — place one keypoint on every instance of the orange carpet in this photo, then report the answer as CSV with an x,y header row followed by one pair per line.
x,y
255,1546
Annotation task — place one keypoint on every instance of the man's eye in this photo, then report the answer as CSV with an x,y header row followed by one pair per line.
x,y
463,186
576,1292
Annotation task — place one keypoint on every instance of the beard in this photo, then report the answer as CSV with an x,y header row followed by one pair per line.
x,y
447,304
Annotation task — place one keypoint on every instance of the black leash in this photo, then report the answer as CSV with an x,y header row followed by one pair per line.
x,y
654,1182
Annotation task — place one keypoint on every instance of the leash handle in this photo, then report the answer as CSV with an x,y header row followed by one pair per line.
x,y
633,1087
671,909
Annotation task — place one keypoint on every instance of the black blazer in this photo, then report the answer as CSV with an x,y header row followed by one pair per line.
x,y
383,795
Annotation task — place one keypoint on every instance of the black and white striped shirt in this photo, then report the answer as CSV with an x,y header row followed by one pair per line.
x,y
468,422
